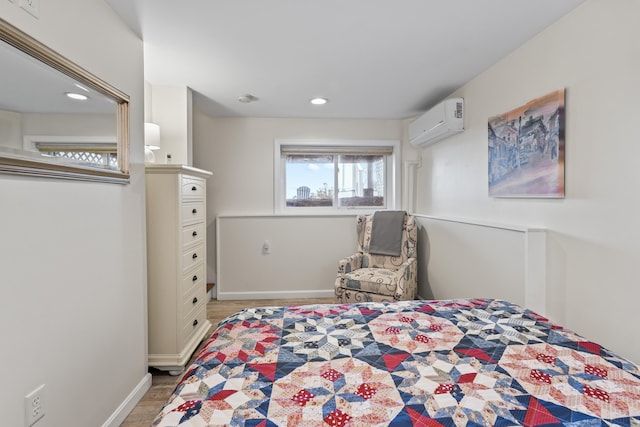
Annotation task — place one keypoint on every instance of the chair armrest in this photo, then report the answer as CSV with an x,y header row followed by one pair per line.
x,y
409,264
347,265
407,274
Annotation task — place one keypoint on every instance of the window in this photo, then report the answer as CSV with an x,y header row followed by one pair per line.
x,y
103,159
87,150
332,176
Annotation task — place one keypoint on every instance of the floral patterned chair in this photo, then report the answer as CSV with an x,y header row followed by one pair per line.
x,y
370,277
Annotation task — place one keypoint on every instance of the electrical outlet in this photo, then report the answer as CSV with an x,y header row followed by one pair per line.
x,y
31,6
35,405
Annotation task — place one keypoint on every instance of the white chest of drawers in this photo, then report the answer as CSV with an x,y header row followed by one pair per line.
x,y
176,263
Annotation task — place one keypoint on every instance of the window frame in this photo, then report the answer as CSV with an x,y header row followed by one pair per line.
x,y
392,178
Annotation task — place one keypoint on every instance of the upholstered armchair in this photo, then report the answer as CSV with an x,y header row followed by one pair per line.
x,y
366,276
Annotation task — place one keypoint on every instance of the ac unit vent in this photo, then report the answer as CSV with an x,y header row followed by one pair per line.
x,y
441,121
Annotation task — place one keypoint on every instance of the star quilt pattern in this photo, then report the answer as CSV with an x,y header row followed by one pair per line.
x,y
475,362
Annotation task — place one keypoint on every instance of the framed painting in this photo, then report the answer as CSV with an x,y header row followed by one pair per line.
x,y
527,149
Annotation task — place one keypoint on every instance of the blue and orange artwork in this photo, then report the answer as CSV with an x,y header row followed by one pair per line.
x,y
527,149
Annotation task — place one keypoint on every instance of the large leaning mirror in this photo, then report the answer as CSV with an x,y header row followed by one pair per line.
x,y
57,119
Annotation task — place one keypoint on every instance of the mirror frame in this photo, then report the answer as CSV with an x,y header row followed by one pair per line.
x,y
25,165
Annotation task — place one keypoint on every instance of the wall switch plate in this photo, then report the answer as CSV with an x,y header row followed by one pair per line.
x,y
35,405
31,6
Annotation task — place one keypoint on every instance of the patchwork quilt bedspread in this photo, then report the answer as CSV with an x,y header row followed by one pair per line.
x,y
477,362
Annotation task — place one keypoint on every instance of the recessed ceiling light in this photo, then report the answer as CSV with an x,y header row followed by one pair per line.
x,y
319,101
77,96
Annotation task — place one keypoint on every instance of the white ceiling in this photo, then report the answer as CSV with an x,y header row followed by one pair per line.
x,y
379,59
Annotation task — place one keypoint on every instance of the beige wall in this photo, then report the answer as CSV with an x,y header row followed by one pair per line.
x,y
239,152
171,109
302,259
593,243
11,129
72,258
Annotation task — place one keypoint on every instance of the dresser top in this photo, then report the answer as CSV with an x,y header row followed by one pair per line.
x,y
171,168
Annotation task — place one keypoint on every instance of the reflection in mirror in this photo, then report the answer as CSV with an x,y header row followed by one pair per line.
x,y
56,119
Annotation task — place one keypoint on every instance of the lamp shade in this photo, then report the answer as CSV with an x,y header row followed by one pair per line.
x,y
152,136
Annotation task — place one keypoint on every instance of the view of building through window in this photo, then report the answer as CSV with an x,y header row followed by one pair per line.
x,y
335,180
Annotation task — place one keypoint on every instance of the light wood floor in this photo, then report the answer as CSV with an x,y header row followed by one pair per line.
x,y
163,384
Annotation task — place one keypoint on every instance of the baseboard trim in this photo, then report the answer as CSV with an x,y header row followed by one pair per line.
x,y
125,408
274,294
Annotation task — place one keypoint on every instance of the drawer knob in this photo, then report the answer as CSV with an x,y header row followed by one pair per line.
x,y
195,322
194,256
194,188
194,211
194,234
194,279
195,300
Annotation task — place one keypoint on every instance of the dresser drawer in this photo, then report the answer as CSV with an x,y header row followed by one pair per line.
x,y
193,322
193,278
192,256
192,188
193,301
192,213
193,234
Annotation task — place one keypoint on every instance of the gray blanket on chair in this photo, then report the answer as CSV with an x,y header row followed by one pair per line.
x,y
386,233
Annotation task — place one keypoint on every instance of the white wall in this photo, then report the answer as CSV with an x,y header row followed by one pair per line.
x,y
70,124
239,152
172,110
593,243
72,258
302,260
11,129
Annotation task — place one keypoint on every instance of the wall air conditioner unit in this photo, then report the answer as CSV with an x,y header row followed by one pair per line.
x,y
442,121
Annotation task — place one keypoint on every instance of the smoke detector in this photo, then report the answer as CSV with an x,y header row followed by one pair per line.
x,y
247,98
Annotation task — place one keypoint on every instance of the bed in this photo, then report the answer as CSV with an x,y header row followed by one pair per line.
x,y
416,363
